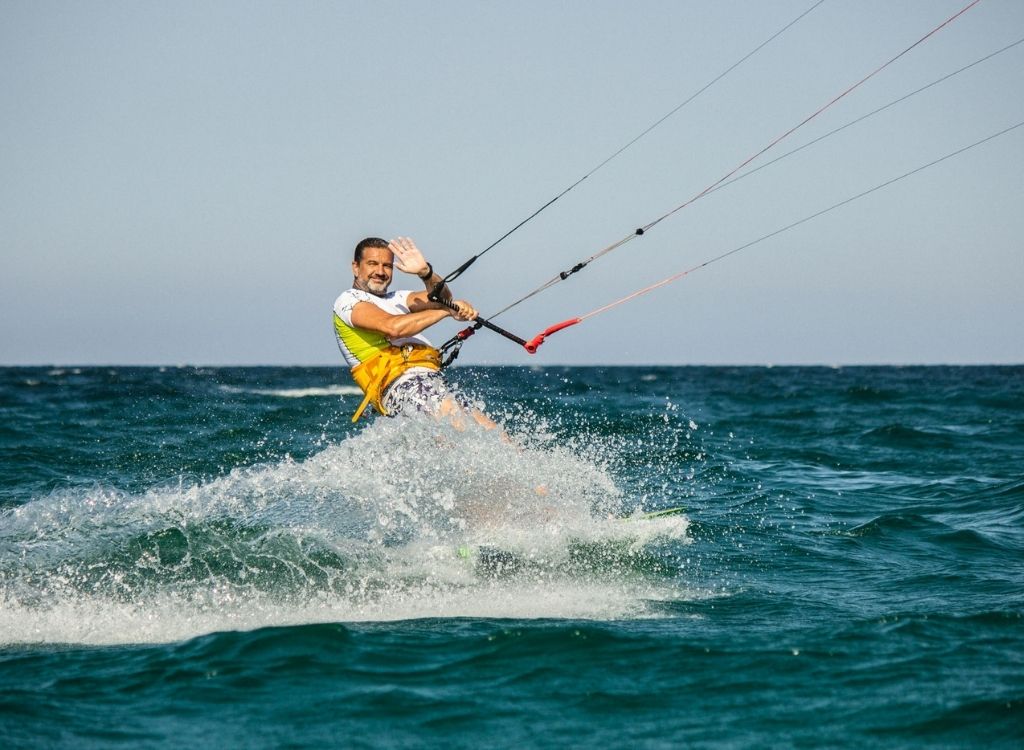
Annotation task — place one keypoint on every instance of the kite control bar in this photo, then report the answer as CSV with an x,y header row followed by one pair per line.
x,y
531,346
435,297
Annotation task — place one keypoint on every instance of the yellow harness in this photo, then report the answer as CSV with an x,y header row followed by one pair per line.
x,y
377,373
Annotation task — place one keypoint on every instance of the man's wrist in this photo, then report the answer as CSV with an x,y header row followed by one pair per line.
x,y
428,274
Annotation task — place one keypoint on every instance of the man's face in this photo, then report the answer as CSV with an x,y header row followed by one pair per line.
x,y
373,273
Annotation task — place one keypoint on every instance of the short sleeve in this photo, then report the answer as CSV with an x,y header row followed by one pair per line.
x,y
344,304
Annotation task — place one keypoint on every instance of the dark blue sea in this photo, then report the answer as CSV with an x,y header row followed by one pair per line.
x,y
216,557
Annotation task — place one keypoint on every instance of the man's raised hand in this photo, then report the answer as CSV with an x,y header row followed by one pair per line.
x,y
408,257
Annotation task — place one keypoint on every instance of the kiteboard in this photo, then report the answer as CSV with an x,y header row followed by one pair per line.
x,y
578,554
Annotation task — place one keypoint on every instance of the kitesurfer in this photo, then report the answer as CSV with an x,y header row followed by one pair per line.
x,y
380,332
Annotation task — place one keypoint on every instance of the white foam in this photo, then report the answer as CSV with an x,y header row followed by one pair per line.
x,y
169,617
366,529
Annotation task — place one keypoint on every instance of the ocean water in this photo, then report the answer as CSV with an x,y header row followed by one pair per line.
x,y
217,558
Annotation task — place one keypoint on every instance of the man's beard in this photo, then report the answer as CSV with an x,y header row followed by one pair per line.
x,y
375,287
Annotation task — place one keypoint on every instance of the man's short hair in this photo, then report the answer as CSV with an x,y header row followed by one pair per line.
x,y
368,242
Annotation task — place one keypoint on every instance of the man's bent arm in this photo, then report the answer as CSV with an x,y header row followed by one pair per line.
x,y
368,316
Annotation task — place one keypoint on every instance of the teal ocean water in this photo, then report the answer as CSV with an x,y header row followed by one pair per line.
x,y
218,558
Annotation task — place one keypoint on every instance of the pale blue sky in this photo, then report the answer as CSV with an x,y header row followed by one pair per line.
x,y
183,182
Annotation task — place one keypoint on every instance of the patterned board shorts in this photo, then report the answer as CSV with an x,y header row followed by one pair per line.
x,y
420,391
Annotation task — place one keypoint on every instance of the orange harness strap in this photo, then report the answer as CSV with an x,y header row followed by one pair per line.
x,y
377,373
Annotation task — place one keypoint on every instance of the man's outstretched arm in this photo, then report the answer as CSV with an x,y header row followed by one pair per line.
x,y
368,316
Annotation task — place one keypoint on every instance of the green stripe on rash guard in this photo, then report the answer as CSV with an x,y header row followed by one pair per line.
x,y
361,343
